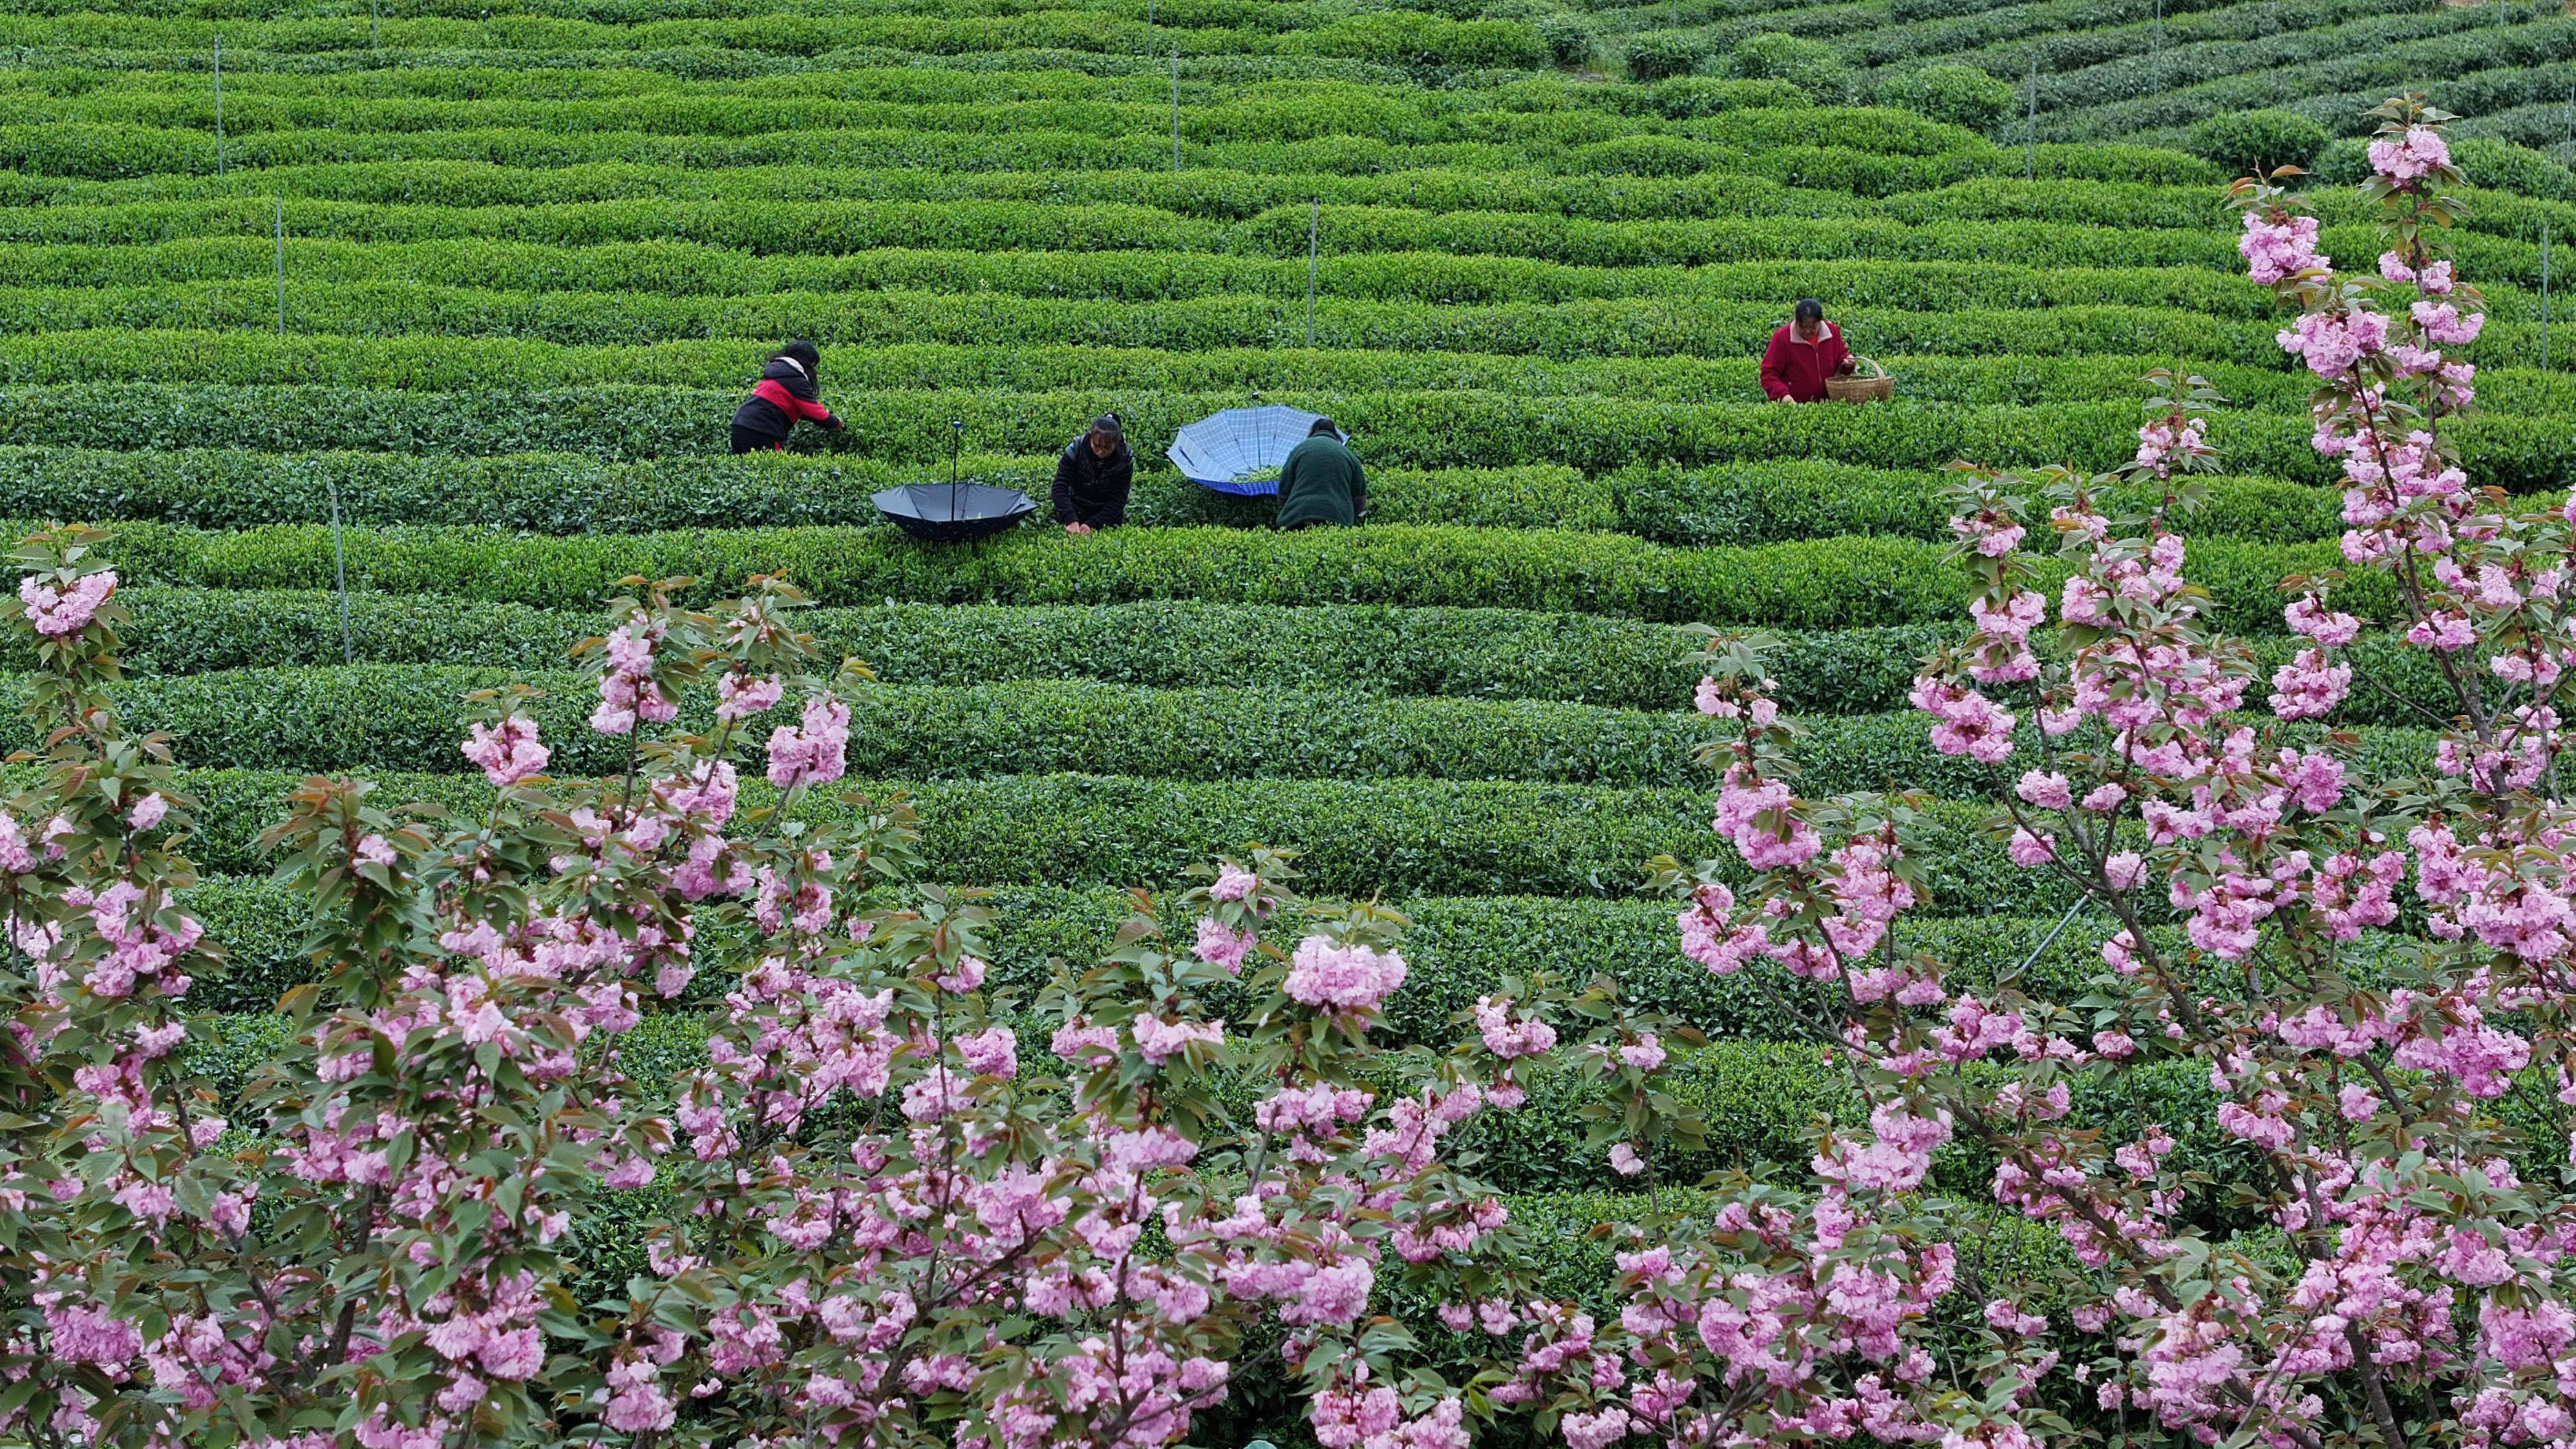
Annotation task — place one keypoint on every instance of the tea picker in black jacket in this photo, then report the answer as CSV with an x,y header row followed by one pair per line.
x,y
787,391
1092,477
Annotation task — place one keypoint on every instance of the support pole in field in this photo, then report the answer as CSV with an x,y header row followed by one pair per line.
x,y
1176,110
2030,131
340,566
219,103
2159,43
2544,296
281,266
1314,221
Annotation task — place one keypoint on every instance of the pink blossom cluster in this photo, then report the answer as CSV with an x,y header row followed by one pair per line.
x,y
2277,249
1348,980
57,613
627,690
815,751
508,752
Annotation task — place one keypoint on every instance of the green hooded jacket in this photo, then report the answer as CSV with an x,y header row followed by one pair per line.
x,y
1321,483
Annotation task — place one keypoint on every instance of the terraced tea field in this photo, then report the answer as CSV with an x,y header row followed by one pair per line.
x,y
532,255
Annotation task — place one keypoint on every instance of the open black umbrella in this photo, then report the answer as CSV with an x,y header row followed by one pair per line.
x,y
954,512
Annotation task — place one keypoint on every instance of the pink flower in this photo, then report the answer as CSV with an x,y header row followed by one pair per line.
x,y
1221,946
147,812
1158,1041
508,752
2046,790
815,754
1625,1161
739,695
1646,1053
55,614
992,1052
2411,157
2278,249
1342,978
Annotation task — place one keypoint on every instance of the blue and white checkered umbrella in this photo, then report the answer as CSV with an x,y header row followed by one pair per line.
x,y
1240,450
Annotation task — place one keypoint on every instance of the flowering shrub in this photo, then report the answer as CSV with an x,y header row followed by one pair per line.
x,y
2377,1272
894,1207
870,1220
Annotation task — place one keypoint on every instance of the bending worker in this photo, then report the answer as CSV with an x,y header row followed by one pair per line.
x,y
1322,483
1092,476
787,390
1803,353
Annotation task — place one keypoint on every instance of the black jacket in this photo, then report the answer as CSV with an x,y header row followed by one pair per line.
x,y
783,389
1092,490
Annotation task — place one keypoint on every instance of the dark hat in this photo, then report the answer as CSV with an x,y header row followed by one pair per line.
x,y
804,354
1323,428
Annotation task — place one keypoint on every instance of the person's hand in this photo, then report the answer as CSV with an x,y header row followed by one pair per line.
x,y
1078,530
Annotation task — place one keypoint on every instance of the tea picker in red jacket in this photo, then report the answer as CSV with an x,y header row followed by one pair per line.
x,y
786,391
1803,354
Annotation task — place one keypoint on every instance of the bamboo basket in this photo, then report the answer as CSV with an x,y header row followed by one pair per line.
x,y
1871,386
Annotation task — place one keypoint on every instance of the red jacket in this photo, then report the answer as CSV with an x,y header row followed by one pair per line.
x,y
783,395
1797,369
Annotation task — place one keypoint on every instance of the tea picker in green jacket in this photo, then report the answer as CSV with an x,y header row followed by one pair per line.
x,y
1322,483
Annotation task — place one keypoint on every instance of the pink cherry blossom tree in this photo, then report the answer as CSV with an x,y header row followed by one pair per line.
x,y
2390,1277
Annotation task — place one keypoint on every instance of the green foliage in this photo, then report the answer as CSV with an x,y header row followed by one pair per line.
x,y
1960,95
1811,65
2252,141
1408,37
1571,40
1663,57
1821,583
1451,837
370,718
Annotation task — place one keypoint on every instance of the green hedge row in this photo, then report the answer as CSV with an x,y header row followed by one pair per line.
x,y
416,362
1786,229
1825,583
1457,948
385,717
1452,837
1737,504
701,270
1451,42
1225,180
2053,226
201,330
695,268
1473,653
1753,503
1438,651
1459,429
1603,169
571,493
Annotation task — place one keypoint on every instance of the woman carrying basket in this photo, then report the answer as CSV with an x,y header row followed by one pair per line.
x,y
1804,353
